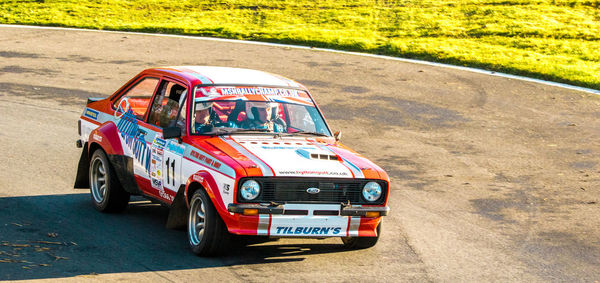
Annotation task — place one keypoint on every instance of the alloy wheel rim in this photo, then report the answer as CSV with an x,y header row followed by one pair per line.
x,y
196,222
98,182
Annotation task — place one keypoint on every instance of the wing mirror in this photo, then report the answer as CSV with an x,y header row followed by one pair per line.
x,y
171,132
337,135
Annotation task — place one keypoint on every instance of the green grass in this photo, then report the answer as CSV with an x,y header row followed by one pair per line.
x,y
555,40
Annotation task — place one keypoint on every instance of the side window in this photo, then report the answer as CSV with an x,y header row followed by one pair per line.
x,y
138,97
166,104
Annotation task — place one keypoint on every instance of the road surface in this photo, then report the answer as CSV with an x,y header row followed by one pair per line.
x,y
493,179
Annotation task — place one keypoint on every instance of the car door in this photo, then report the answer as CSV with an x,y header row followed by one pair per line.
x,y
131,109
168,110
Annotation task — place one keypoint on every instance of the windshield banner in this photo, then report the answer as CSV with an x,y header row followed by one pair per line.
x,y
254,94
259,91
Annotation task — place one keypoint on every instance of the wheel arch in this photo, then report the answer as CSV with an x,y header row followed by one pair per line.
x,y
178,212
113,198
203,180
106,136
92,147
190,190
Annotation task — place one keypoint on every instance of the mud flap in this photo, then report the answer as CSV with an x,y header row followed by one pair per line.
x,y
178,214
82,180
124,168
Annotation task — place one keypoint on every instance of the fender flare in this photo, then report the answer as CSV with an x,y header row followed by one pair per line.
x,y
206,180
107,137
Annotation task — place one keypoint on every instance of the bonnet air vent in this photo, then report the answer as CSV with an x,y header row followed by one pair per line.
x,y
320,156
323,156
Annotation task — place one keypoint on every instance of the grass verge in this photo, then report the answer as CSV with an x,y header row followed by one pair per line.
x,y
555,40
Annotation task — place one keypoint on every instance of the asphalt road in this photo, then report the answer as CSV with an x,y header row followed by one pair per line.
x,y
493,179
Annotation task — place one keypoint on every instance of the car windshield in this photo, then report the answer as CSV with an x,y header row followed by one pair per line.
x,y
230,110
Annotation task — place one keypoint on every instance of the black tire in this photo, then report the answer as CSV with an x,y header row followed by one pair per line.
x,y
106,191
356,243
207,233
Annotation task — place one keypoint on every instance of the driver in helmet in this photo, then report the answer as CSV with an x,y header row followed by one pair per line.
x,y
263,115
205,119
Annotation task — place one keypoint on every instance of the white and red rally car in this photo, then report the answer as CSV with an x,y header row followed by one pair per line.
x,y
231,152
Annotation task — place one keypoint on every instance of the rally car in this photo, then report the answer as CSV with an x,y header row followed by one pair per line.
x,y
231,152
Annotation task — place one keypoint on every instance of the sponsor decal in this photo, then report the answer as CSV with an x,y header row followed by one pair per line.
x,y
259,91
90,113
97,137
308,230
226,188
285,147
197,178
212,92
156,164
157,184
122,108
157,145
165,195
160,143
211,162
175,148
312,172
134,138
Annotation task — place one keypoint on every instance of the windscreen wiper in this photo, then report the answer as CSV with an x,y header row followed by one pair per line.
x,y
309,133
227,131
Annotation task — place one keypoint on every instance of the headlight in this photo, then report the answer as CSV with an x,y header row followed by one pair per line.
x,y
250,190
371,191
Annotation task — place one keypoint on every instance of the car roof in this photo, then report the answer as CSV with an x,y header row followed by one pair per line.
x,y
211,75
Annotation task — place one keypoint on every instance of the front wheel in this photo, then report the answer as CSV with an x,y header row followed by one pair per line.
x,y
207,233
107,193
356,243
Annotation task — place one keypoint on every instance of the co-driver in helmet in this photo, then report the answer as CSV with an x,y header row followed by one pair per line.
x,y
202,113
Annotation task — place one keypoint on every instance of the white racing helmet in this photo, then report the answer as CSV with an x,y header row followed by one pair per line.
x,y
263,105
203,106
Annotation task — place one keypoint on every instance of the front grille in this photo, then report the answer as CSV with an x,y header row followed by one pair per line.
x,y
290,190
326,212
295,212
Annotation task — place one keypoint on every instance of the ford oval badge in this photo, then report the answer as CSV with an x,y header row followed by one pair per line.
x,y
313,190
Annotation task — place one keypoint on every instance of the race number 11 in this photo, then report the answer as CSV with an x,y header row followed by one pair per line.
x,y
171,172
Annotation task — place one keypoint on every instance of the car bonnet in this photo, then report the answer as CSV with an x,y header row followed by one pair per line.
x,y
295,157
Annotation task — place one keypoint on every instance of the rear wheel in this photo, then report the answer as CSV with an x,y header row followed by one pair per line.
x,y
107,193
356,243
207,233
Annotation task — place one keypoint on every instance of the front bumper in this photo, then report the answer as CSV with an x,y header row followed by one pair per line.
x,y
344,210
304,220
